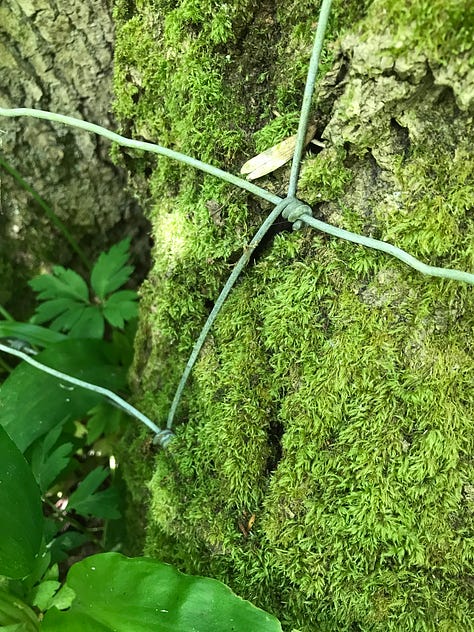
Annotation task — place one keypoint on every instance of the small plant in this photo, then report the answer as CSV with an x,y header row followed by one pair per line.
x,y
66,302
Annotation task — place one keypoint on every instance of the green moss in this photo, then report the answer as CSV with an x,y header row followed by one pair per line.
x,y
442,30
322,464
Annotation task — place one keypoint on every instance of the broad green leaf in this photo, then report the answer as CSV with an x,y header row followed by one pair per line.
x,y
32,402
48,462
111,271
115,593
86,501
21,524
62,283
35,335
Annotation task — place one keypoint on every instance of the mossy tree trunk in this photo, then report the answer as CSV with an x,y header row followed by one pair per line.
x,y
323,464
57,55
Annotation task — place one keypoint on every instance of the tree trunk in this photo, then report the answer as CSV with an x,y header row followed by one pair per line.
x,y
323,460
57,55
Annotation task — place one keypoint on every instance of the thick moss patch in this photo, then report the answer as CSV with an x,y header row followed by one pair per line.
x,y
323,461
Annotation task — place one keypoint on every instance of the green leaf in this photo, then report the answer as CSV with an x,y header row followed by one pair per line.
x,y
139,595
64,543
111,271
86,501
89,325
121,307
54,308
21,524
35,335
68,319
16,616
44,593
62,283
47,463
32,402
104,419
65,296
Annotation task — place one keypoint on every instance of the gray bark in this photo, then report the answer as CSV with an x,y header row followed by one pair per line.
x,y
57,55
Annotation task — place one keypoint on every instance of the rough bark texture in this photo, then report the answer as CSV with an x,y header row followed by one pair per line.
x,y
57,55
323,464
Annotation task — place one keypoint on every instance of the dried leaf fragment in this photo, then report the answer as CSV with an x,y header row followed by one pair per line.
x,y
275,157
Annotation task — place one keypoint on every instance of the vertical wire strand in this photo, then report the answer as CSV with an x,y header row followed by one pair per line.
x,y
308,95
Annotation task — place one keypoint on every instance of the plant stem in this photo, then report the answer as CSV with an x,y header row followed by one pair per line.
x,y
63,516
6,315
48,211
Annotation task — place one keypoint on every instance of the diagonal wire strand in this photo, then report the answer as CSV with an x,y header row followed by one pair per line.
x,y
110,395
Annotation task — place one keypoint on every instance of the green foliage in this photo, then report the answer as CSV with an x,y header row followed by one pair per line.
x,y
21,527
31,334
157,597
51,403
65,296
49,458
322,460
87,501
45,421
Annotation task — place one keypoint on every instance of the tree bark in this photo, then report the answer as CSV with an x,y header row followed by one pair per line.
x,y
57,55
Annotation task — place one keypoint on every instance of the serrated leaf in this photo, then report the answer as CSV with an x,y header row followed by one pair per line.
x,y
89,325
87,501
63,283
104,419
53,308
119,594
111,271
102,504
47,463
121,307
68,319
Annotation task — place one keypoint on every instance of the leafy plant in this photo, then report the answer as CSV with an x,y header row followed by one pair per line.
x,y
66,302
103,592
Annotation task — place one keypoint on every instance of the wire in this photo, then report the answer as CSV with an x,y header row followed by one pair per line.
x,y
308,95
143,145
163,435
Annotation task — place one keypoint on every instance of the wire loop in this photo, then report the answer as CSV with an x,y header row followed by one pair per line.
x,y
294,211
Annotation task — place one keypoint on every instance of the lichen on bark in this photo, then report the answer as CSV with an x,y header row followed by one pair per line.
x,y
323,460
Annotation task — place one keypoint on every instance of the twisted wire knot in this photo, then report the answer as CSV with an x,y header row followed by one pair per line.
x,y
293,211
163,437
